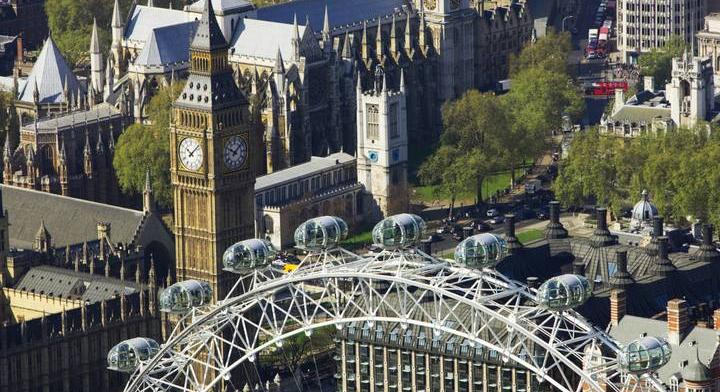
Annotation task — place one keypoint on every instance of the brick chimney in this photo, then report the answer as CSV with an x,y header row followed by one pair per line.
x,y
716,319
621,278
678,320
618,306
555,229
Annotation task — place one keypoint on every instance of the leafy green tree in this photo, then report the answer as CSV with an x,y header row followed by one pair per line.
x,y
658,62
471,145
71,23
147,147
549,53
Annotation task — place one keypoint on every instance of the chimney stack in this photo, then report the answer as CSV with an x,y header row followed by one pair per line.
x,y
513,243
707,252
663,266
601,236
658,231
618,306
716,320
579,266
426,246
619,99
20,55
678,320
555,229
621,278
532,282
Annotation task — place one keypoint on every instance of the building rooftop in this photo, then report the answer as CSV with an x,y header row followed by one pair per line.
x,y
166,46
340,12
69,220
98,113
64,283
259,38
645,106
704,340
307,169
223,7
50,73
144,19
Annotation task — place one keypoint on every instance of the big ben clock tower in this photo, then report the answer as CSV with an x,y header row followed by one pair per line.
x,y
211,165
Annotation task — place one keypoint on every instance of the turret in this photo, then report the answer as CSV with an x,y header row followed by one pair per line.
x,y
96,64
31,167
408,38
7,161
296,40
347,49
379,45
327,43
117,35
63,171
88,156
365,44
394,44
43,239
148,195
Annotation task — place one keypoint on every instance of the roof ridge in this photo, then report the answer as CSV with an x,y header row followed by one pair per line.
x,y
73,199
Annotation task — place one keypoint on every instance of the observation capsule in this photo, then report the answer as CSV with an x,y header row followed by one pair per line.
x,y
324,232
645,354
185,295
398,231
564,292
126,356
248,254
481,251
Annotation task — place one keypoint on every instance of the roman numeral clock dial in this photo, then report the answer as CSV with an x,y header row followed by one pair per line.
x,y
191,154
235,152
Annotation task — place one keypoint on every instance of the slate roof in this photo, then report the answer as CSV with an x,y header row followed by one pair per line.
x,y
61,282
222,7
208,35
69,220
49,74
307,169
340,12
144,19
166,45
638,114
259,38
630,328
100,112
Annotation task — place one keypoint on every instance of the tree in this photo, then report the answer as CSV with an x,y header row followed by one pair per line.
x,y
658,62
71,21
471,145
549,53
147,147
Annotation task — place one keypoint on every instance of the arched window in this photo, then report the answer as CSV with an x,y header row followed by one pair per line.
x,y
674,384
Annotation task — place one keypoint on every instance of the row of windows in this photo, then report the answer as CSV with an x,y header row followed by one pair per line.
x,y
304,187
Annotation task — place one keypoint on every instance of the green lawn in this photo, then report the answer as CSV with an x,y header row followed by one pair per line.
x,y
362,238
426,194
530,235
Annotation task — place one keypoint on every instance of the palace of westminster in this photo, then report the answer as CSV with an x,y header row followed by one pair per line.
x,y
287,112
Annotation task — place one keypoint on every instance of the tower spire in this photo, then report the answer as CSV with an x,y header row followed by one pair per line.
x,y
326,25
208,35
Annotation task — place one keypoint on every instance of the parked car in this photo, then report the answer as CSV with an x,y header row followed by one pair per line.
x,y
493,212
481,226
497,220
543,214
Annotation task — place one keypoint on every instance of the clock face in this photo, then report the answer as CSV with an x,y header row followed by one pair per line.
x,y
235,152
430,4
191,154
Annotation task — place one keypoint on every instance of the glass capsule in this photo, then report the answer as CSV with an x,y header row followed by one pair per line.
x,y
324,232
481,251
248,254
399,231
127,355
645,354
564,292
185,295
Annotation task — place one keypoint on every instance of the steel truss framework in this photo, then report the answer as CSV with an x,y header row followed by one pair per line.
x,y
483,308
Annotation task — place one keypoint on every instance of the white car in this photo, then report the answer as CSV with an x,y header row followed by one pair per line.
x,y
493,212
497,220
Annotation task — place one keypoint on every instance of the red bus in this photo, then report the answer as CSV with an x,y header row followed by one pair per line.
x,y
608,88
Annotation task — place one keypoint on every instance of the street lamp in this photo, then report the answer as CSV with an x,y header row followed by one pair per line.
x,y
562,23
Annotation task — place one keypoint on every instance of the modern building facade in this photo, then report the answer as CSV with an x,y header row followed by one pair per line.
x,y
646,25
